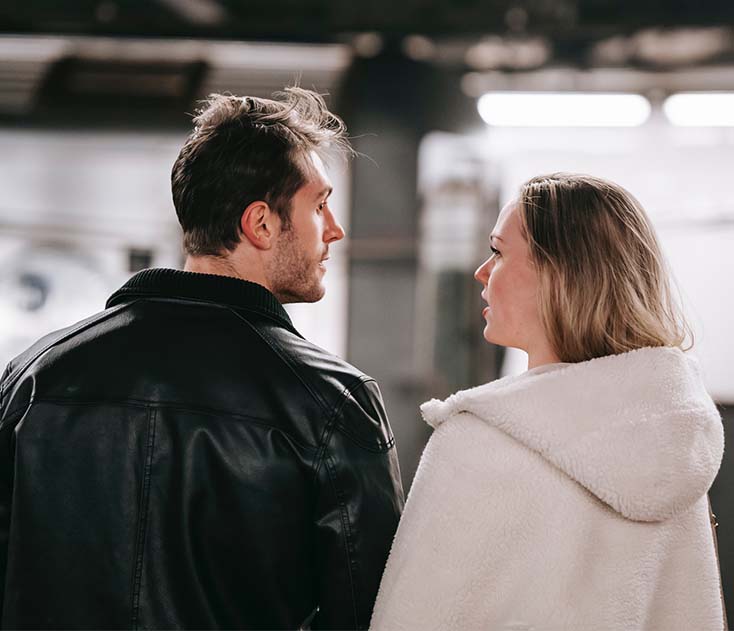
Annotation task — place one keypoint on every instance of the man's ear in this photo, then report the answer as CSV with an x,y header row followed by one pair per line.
x,y
259,224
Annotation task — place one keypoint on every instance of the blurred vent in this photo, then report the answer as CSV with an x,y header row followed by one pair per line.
x,y
23,65
84,84
261,69
139,259
107,78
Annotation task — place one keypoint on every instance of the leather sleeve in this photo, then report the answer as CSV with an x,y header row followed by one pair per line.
x,y
6,487
3,380
359,499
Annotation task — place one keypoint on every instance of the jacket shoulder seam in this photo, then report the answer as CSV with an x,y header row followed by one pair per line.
x,y
343,427
331,422
20,369
282,355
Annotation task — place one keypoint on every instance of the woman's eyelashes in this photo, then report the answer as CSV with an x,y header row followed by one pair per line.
x,y
495,251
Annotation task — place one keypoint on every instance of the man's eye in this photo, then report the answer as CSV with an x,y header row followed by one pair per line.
x,y
321,207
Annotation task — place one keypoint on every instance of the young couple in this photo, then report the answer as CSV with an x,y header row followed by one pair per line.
x,y
185,459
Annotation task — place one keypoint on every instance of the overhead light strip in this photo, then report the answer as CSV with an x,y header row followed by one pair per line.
x,y
563,109
700,109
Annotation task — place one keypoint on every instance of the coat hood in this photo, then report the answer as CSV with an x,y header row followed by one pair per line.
x,y
638,429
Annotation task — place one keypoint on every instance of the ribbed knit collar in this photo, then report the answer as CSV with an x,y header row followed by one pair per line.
x,y
225,290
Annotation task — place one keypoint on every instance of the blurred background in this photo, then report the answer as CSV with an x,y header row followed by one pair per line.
x,y
453,104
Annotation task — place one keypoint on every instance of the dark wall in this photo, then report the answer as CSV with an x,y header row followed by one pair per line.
x,y
382,101
723,507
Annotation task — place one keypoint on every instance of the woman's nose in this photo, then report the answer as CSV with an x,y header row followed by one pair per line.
x,y
482,273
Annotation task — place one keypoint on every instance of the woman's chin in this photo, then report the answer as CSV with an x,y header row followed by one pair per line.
x,y
491,335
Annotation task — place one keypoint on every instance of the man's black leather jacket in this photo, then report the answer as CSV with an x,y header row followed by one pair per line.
x,y
186,459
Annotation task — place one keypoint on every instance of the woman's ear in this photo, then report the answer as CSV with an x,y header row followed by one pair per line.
x,y
259,225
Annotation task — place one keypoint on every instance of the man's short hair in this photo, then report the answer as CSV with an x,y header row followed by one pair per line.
x,y
247,149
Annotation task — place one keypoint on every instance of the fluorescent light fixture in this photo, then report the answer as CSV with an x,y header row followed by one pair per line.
x,y
700,109
563,109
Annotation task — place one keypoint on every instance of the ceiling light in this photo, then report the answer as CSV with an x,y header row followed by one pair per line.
x,y
563,109
700,109
419,47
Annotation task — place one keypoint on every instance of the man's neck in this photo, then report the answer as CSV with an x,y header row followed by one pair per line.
x,y
220,266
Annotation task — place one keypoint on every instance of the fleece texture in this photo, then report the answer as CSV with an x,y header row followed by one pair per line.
x,y
572,498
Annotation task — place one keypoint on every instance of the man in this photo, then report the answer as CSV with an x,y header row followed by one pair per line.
x,y
185,459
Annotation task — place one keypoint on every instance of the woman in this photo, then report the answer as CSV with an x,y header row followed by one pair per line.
x,y
574,495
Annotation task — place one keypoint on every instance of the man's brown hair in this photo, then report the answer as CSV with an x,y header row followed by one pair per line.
x,y
247,149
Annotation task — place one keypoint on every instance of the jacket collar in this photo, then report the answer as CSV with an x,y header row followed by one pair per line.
x,y
225,290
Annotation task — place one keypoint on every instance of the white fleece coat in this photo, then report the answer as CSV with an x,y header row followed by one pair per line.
x,y
566,499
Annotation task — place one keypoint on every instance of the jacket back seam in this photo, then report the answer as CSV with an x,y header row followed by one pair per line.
x,y
348,539
159,405
143,520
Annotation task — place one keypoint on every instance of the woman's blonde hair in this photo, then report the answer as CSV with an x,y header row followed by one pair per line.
x,y
604,284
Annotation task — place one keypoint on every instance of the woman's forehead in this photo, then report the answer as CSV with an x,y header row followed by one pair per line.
x,y
508,220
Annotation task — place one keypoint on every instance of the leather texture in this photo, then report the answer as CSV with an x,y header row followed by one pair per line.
x,y
185,459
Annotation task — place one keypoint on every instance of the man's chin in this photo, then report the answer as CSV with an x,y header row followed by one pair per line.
x,y
293,295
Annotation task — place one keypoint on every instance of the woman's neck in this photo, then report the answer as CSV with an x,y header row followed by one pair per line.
x,y
542,356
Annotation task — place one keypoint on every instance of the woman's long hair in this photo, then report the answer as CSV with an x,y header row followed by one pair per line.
x,y
604,284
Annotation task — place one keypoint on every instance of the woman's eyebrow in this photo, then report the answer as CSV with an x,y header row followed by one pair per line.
x,y
494,236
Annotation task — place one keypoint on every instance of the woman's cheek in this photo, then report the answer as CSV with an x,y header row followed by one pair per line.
x,y
494,288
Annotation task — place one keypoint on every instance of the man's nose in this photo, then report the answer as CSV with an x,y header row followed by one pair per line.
x,y
334,230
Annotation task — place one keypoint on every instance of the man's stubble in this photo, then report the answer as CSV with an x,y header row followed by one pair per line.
x,y
294,276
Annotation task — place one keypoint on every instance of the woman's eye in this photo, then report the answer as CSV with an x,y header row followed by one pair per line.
x,y
321,207
495,251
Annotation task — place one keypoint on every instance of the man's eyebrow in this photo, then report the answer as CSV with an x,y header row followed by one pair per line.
x,y
324,192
